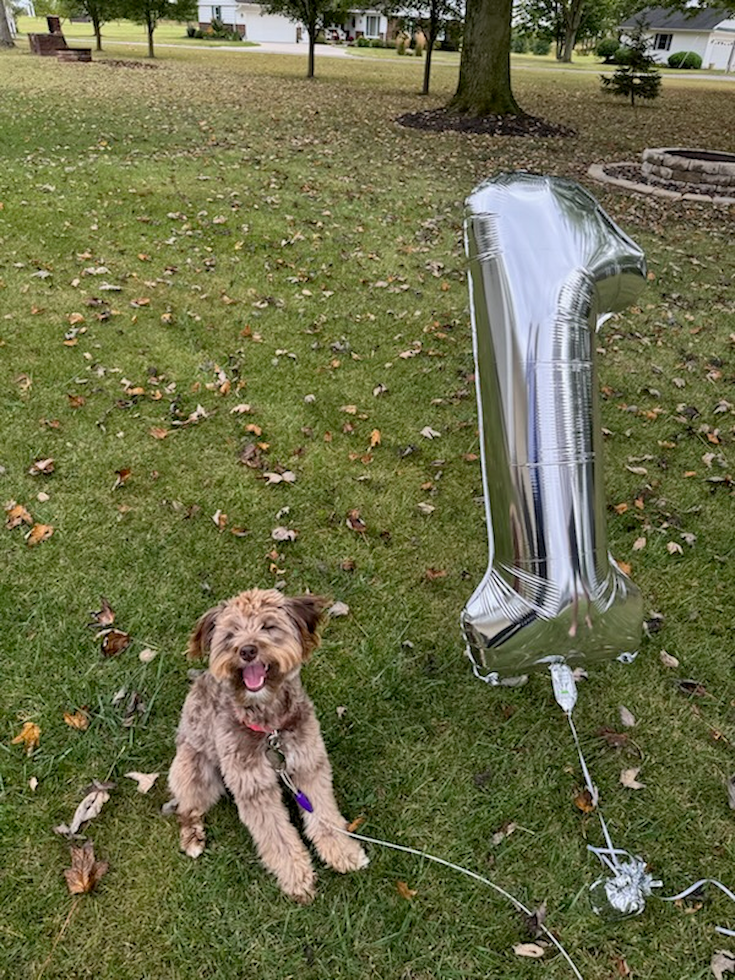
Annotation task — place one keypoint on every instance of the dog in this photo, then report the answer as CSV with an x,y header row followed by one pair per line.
x,y
247,726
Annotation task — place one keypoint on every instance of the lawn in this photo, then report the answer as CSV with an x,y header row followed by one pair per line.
x,y
270,239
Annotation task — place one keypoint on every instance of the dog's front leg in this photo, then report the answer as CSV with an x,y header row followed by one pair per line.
x,y
278,844
325,825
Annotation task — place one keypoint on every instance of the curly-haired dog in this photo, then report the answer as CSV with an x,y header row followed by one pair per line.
x,y
247,725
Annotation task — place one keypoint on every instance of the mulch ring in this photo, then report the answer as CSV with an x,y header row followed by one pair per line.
x,y
440,120
117,63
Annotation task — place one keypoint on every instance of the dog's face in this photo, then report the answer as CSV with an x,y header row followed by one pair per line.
x,y
258,639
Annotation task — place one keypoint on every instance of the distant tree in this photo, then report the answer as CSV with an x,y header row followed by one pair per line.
x,y
432,18
6,38
639,77
315,15
566,21
150,12
99,12
484,69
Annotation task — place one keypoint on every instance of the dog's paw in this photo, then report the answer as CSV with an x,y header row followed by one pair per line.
x,y
343,854
301,889
192,840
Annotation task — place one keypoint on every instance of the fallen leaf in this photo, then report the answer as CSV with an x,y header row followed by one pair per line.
x,y
77,401
667,660
355,522
79,720
29,736
220,519
688,686
104,616
145,656
628,779
380,389
41,467
627,717
283,534
616,740
535,922
639,544
338,609
428,433
584,801
33,784
88,809
85,872
17,515
145,780
674,548
122,478
431,574
375,438
158,432
404,891
38,533
505,831
622,967
533,950
341,710
723,961
354,824
114,642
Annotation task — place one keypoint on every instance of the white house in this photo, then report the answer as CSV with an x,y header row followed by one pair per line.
x,y
710,32
254,24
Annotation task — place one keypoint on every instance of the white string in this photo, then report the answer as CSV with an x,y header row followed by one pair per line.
x,y
470,874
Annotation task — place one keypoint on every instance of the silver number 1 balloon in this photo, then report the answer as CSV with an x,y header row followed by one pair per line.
x,y
547,266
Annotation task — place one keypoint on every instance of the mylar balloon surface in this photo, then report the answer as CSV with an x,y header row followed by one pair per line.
x,y
547,266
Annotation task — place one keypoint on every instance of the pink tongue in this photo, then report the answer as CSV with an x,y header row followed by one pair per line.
x,y
254,676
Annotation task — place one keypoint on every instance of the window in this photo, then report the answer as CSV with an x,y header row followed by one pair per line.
x,y
216,13
662,42
372,25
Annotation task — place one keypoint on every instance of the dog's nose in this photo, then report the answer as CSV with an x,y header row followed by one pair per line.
x,y
248,654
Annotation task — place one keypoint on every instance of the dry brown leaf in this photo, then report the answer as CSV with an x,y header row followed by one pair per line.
x,y
667,660
41,467
158,432
627,717
723,961
355,824
77,401
628,779
145,780
105,616
220,519
85,872
374,438
78,720
533,950
114,642
404,891
38,533
584,802
17,514
122,478
284,534
29,736
355,522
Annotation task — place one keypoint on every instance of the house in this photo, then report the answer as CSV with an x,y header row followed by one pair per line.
x,y
253,24
710,32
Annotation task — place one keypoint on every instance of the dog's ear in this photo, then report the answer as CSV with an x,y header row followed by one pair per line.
x,y
201,638
306,611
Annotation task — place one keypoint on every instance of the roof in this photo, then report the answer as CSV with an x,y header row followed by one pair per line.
x,y
697,19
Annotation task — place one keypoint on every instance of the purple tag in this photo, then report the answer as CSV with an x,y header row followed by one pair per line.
x,y
303,801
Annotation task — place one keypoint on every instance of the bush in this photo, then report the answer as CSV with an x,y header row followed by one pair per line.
x,y
622,56
607,49
684,59
362,42
518,43
375,42
401,46
540,46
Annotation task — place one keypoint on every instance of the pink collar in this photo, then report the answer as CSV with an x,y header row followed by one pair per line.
x,y
260,729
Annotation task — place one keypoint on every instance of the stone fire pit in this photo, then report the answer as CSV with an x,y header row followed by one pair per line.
x,y
675,173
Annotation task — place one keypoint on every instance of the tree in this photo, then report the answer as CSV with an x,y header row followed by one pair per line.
x,y
98,11
566,21
6,38
639,77
484,69
149,12
432,19
315,15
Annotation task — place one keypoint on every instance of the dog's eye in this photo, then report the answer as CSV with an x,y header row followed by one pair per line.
x,y
269,626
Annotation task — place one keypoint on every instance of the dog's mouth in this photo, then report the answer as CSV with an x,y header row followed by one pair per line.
x,y
254,675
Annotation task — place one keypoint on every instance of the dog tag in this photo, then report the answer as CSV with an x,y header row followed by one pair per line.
x,y
276,758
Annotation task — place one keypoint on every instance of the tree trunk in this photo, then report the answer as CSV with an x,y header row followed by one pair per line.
x,y
312,29
572,16
427,66
97,27
150,26
484,69
6,38
570,38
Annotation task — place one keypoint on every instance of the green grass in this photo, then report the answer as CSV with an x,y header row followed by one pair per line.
x,y
206,181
